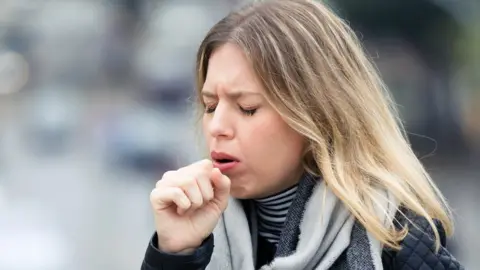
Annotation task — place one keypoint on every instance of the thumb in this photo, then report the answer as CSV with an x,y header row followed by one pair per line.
x,y
221,187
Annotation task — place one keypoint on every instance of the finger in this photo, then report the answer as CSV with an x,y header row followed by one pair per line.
x,y
205,164
221,186
168,179
175,178
165,197
205,186
193,193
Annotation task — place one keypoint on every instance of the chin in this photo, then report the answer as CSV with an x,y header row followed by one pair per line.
x,y
241,193
244,193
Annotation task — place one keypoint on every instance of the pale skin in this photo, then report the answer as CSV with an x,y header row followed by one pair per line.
x,y
188,202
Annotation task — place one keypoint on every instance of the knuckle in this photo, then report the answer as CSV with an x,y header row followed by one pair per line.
x,y
168,175
176,192
197,203
206,164
202,164
209,197
189,181
199,168
186,173
154,195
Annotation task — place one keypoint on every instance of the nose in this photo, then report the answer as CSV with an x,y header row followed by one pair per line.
x,y
220,123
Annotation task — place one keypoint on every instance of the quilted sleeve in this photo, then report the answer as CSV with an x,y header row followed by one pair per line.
x,y
155,259
418,249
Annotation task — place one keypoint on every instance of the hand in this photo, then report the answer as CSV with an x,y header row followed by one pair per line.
x,y
187,205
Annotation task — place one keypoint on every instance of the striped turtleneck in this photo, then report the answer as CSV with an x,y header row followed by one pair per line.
x,y
272,213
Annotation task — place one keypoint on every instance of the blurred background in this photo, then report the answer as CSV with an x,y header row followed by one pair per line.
x,y
95,105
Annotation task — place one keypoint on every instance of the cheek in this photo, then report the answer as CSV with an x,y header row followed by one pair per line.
x,y
289,144
204,127
273,137
206,135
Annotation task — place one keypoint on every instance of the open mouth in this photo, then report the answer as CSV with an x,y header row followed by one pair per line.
x,y
223,161
225,164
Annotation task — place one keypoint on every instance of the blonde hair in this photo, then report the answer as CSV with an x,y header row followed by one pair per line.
x,y
317,76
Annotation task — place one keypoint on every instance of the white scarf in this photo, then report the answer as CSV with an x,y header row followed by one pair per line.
x,y
323,238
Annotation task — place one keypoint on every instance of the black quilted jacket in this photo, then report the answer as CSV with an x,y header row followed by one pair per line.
x,y
418,248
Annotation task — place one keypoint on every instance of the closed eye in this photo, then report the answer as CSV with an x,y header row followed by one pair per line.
x,y
248,112
209,109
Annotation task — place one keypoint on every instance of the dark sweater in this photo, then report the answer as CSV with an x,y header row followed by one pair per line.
x,y
265,252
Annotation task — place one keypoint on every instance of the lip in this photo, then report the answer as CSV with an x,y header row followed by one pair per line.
x,y
221,155
223,167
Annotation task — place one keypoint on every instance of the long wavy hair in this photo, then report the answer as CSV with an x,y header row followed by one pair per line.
x,y
320,80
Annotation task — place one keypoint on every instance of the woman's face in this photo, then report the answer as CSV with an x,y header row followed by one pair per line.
x,y
239,124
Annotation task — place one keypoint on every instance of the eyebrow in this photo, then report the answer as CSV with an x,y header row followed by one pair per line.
x,y
232,95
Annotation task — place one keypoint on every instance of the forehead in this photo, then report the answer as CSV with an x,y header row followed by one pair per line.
x,y
228,68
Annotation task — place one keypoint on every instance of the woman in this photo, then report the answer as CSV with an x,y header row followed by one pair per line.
x,y
307,151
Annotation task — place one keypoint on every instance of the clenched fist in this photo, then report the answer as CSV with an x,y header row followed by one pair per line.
x,y
187,205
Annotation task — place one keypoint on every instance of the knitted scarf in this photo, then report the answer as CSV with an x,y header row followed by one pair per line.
x,y
319,233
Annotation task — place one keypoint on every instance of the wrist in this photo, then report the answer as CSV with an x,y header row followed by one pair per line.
x,y
177,249
187,251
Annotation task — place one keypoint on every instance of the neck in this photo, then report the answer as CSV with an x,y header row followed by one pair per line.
x,y
272,212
